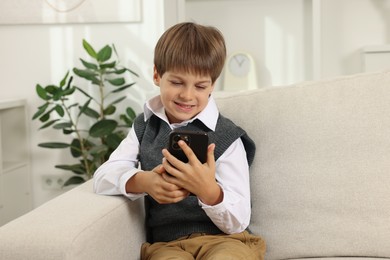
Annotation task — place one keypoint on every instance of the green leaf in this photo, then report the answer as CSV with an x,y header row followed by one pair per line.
x,y
120,71
104,54
44,118
128,121
68,91
62,125
75,180
117,81
76,168
130,113
51,89
113,140
69,82
73,105
118,100
85,93
60,111
41,92
108,65
84,73
109,110
84,107
98,150
67,131
40,111
58,95
132,72
48,123
95,81
103,127
116,53
87,74
89,65
75,148
54,145
89,49
91,112
122,88
63,81
129,117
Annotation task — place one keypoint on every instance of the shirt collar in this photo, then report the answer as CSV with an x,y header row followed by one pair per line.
x,y
208,116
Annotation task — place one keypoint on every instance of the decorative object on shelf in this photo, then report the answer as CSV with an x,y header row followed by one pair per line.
x,y
90,146
64,6
240,72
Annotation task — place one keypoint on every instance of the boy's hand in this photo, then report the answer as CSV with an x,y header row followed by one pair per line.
x,y
156,186
194,176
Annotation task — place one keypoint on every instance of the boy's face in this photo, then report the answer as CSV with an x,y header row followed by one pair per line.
x,y
184,95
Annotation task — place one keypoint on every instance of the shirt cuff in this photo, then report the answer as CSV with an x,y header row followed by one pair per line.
x,y
122,185
216,209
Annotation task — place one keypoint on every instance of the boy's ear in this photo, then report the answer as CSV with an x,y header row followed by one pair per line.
x,y
212,89
156,77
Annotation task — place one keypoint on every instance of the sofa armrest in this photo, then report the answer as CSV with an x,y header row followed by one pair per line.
x,y
77,225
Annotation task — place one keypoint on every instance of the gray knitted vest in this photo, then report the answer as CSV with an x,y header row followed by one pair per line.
x,y
167,222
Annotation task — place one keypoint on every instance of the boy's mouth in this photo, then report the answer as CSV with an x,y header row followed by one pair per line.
x,y
184,106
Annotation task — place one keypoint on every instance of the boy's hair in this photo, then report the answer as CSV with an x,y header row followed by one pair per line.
x,y
191,47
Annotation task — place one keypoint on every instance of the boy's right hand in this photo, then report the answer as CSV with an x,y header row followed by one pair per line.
x,y
154,184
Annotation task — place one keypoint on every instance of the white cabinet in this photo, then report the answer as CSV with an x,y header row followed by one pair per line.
x,y
15,180
376,58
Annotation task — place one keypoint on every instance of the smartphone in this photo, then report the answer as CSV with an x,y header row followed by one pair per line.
x,y
197,141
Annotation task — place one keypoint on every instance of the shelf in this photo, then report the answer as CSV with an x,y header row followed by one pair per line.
x,y
376,48
11,103
11,166
376,57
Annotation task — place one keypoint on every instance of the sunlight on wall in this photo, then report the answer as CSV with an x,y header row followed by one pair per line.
x,y
281,53
61,51
291,59
274,52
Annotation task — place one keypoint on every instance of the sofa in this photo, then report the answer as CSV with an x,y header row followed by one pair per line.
x,y
320,181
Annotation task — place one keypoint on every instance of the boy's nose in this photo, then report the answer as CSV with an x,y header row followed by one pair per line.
x,y
186,94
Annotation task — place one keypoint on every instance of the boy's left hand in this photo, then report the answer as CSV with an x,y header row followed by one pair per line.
x,y
194,176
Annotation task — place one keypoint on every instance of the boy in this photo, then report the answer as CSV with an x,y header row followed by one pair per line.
x,y
197,211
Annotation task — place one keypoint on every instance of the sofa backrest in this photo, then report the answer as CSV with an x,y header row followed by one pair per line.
x,y
320,182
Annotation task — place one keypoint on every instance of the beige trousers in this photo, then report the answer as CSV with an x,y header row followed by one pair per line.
x,y
207,247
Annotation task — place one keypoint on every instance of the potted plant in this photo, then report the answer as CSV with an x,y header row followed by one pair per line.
x,y
94,127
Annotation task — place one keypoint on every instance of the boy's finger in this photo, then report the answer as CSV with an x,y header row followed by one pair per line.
x,y
159,169
187,150
210,155
170,158
168,166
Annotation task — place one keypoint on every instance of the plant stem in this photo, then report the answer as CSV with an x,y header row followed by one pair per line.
x,y
77,131
101,90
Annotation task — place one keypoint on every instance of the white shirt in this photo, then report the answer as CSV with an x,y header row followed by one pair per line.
x,y
232,215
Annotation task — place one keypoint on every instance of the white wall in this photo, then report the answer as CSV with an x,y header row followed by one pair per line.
x,y
272,31
297,40
32,54
348,26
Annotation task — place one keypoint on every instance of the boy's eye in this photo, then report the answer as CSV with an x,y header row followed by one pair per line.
x,y
176,82
200,87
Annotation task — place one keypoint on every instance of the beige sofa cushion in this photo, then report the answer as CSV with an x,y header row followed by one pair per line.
x,y
78,225
321,177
